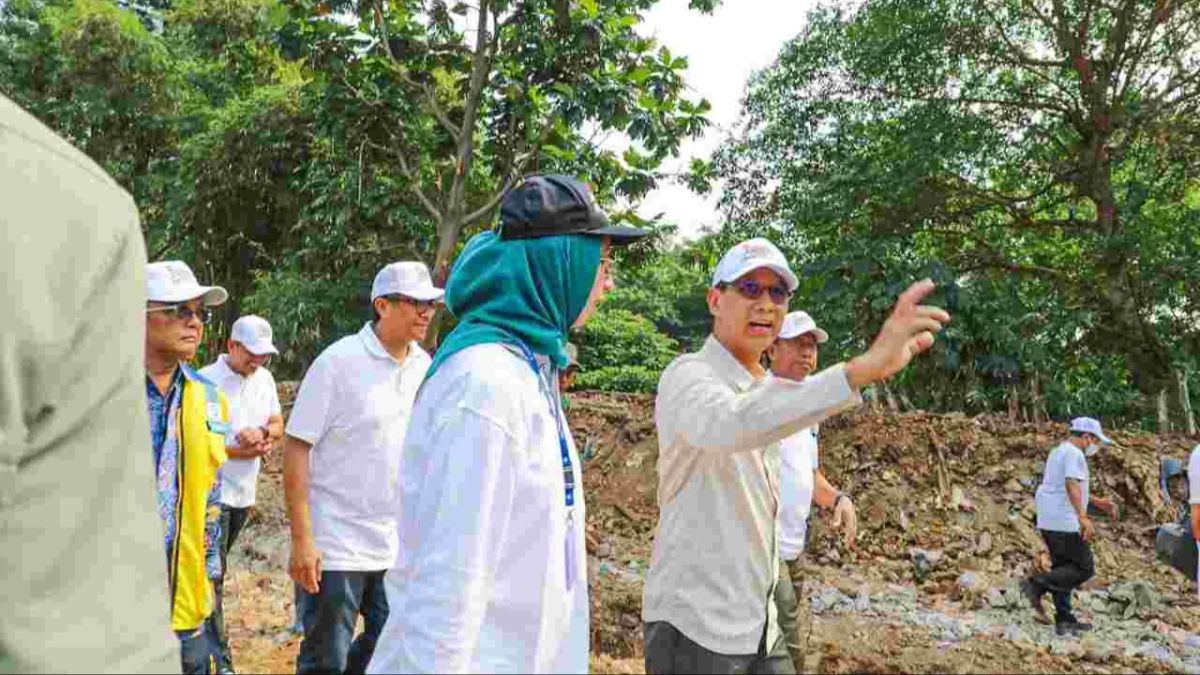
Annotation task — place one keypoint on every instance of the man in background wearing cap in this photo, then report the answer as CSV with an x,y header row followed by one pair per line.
x,y
255,423
566,376
801,481
340,465
708,603
1062,506
189,418
83,583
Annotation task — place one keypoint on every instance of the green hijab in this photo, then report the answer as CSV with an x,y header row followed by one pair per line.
x,y
522,290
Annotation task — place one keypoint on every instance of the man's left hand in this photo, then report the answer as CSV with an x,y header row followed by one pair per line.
x,y
845,518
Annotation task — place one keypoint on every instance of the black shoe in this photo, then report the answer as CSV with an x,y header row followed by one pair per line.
x,y
1072,627
1031,592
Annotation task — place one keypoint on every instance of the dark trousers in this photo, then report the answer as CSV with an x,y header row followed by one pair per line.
x,y
197,652
329,619
233,519
1071,564
670,652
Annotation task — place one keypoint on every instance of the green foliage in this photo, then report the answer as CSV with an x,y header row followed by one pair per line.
x,y
1037,164
622,351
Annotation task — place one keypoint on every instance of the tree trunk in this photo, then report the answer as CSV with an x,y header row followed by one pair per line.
x,y
1037,405
1185,403
1014,402
1164,412
891,399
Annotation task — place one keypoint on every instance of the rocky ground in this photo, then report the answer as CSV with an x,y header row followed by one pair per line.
x,y
946,530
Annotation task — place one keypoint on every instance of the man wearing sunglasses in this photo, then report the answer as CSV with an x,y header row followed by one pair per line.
x,y
189,417
341,460
256,422
720,416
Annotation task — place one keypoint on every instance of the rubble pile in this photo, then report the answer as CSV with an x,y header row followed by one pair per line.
x,y
946,530
946,525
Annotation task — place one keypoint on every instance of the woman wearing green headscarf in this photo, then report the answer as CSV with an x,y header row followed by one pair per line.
x,y
491,574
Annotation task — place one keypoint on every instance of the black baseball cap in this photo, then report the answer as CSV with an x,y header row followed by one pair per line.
x,y
550,205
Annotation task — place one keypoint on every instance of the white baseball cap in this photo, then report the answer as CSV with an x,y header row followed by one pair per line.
x,y
254,333
749,256
173,281
1088,425
796,324
410,279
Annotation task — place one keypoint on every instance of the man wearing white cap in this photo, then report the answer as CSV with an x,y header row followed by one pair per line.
x,y
341,460
1062,507
255,423
189,418
801,482
720,416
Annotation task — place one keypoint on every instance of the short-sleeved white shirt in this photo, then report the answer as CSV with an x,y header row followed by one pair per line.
x,y
798,461
252,401
1054,510
353,407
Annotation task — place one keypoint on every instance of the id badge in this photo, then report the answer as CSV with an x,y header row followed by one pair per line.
x,y
571,554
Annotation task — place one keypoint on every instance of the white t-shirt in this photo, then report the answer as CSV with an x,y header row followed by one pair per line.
x,y
1054,510
353,407
252,401
798,459
491,576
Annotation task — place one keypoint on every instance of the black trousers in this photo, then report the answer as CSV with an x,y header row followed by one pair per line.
x,y
1071,564
670,652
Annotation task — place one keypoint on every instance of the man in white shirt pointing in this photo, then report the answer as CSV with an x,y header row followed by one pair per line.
x,y
708,604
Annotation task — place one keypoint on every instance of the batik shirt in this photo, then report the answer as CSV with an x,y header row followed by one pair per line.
x,y
164,438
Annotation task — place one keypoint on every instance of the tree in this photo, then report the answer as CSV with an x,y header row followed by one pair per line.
x,y
1048,140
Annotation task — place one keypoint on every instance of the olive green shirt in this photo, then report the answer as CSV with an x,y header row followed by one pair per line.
x,y
83,584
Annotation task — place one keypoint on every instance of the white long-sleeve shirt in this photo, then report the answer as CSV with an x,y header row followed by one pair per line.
x,y
716,552
480,583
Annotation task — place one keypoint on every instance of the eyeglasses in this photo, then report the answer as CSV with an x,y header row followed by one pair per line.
x,y
420,305
183,312
752,290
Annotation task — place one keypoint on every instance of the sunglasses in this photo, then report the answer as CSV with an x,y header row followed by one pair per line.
x,y
183,312
752,290
419,305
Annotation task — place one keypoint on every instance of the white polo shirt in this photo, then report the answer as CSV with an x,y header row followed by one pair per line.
x,y
492,575
252,401
798,461
353,407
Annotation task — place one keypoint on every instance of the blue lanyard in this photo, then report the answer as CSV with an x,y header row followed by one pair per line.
x,y
568,473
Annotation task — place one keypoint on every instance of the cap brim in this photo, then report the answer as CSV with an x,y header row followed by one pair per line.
x,y
1103,438
621,234
426,294
822,336
211,295
261,348
784,273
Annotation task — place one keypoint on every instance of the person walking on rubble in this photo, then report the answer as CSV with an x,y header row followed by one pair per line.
x,y
342,450
720,416
801,482
492,571
1062,517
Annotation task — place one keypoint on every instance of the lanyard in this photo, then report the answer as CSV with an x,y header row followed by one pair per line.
x,y
568,472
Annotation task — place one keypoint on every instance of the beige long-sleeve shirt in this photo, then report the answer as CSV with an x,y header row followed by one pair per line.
x,y
714,562
83,582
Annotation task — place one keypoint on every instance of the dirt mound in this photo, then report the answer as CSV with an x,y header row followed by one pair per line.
x,y
945,504
945,507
